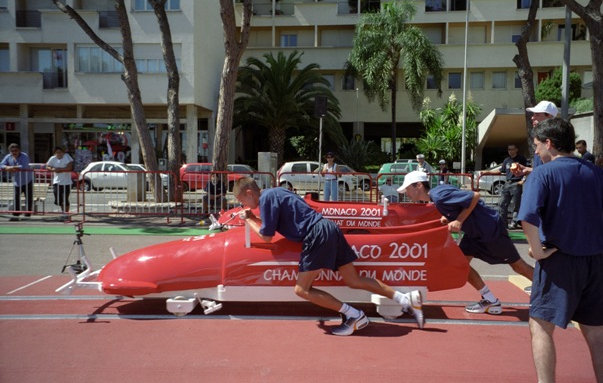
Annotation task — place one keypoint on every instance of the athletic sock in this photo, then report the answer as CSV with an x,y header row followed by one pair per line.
x,y
349,311
401,298
487,294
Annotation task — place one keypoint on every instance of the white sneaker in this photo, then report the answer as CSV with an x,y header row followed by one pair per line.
x,y
485,306
350,325
416,307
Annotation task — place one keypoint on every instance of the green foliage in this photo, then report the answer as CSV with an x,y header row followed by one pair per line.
x,y
277,94
444,129
582,105
305,146
550,88
385,40
358,154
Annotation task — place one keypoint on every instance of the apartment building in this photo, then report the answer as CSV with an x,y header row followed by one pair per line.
x,y
324,30
58,87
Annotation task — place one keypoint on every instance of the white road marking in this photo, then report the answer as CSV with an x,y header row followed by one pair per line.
x,y
29,284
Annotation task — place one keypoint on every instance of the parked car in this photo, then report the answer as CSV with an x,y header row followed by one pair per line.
x,y
407,167
43,175
110,174
492,183
363,181
195,176
304,175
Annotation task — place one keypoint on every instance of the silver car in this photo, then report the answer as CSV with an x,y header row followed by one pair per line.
x,y
491,180
304,175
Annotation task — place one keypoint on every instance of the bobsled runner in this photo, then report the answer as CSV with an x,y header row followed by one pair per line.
x,y
351,215
236,265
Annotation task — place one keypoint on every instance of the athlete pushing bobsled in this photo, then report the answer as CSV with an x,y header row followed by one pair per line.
x,y
323,247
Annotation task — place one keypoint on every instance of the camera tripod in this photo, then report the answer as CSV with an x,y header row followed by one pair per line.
x,y
81,264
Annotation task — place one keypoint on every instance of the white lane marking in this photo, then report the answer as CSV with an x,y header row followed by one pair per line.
x,y
29,284
253,317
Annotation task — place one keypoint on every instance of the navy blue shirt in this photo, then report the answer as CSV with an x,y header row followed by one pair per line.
x,y
284,212
482,223
506,167
565,197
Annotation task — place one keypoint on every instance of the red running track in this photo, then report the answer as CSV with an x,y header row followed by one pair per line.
x,y
93,338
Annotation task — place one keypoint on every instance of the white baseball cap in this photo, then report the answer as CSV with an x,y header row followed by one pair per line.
x,y
545,107
420,156
412,178
442,162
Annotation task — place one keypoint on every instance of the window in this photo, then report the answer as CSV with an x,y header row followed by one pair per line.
x,y
523,4
349,83
288,40
52,63
454,80
517,81
3,5
578,32
499,80
477,80
143,5
458,5
552,3
299,168
431,83
515,38
153,65
331,79
96,60
435,5
4,60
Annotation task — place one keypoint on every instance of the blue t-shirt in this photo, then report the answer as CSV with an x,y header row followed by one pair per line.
x,y
537,161
284,212
482,223
565,197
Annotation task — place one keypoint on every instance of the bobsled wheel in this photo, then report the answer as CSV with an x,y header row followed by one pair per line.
x,y
179,298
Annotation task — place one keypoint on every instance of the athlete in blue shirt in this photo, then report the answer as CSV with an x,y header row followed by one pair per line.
x,y
324,247
562,217
485,235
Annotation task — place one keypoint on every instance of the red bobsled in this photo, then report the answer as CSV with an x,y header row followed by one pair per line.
x,y
237,266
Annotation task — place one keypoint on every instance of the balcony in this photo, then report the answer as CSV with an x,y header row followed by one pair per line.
x,y
29,19
54,80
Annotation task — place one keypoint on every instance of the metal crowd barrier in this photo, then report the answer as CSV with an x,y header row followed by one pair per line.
x,y
459,180
490,186
28,197
353,187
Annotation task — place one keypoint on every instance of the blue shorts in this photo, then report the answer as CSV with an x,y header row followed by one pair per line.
x,y
325,247
495,251
568,287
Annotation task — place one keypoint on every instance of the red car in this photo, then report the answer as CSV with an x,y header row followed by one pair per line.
x,y
43,175
195,176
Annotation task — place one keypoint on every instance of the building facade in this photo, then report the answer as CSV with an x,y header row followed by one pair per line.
x,y
58,88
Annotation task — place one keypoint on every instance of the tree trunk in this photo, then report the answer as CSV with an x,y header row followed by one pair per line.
x,y
173,103
524,68
592,17
130,78
276,141
234,50
394,89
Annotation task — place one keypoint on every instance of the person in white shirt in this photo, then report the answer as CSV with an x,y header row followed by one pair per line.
x,y
389,191
61,164
328,171
423,166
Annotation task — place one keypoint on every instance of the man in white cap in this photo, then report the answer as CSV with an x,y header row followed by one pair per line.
x,y
485,235
423,166
542,111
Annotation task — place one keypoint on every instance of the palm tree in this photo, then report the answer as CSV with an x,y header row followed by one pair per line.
x,y
277,95
383,41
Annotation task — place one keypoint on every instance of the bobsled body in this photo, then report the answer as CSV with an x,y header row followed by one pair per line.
x,y
421,255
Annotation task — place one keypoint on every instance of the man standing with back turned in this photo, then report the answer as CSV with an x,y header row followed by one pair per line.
x,y
562,217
